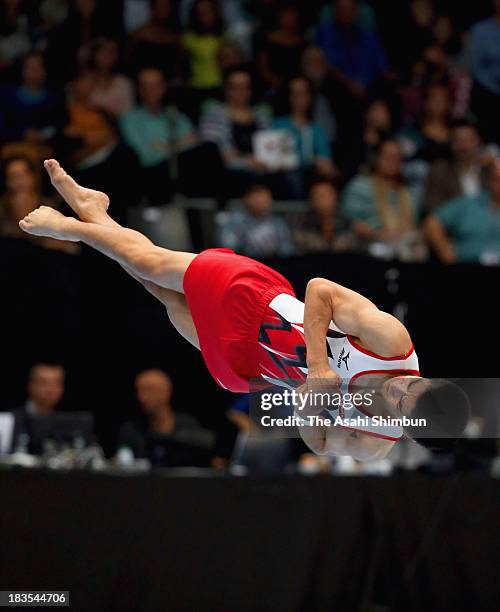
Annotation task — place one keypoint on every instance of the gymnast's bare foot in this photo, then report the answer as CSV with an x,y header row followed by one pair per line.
x,y
49,223
89,205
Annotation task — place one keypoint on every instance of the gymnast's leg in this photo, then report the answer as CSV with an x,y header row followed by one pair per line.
x,y
105,235
126,246
177,309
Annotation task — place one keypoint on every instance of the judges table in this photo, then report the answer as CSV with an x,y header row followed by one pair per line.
x,y
162,542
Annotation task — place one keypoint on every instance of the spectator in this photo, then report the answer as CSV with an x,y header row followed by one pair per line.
x,y
113,168
166,436
377,126
238,24
230,56
356,62
279,53
416,21
320,230
88,126
14,34
432,69
74,38
255,231
445,36
31,112
111,92
429,139
355,54
45,392
311,143
231,126
136,14
378,205
365,16
155,132
51,13
156,44
22,195
315,67
484,65
100,159
467,228
462,174
202,43
378,123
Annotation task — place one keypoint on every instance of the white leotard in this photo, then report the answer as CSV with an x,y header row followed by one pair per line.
x,y
348,359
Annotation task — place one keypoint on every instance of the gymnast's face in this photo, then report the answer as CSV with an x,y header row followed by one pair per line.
x,y
402,392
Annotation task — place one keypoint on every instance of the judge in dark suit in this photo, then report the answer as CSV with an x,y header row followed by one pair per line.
x,y
45,391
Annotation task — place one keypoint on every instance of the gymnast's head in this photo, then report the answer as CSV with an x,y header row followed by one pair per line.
x,y
442,404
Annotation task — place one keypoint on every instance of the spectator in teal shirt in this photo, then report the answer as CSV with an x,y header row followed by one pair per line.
x,y
311,142
468,228
378,205
155,132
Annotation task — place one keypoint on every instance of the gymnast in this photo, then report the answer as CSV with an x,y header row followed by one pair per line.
x,y
248,324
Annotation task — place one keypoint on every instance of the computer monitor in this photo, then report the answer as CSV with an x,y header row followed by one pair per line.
x,y
61,427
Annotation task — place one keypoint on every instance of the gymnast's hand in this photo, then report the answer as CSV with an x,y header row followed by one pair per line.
x,y
323,376
319,381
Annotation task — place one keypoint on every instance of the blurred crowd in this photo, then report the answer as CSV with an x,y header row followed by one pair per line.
x,y
384,127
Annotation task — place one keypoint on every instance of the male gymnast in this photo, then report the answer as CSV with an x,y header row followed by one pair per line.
x,y
248,324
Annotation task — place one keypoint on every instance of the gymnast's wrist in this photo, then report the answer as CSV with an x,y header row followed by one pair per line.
x,y
315,368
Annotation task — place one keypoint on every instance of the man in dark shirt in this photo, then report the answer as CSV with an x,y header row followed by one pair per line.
x,y
45,391
167,438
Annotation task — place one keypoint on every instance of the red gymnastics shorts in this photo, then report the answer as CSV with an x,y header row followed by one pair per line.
x,y
228,296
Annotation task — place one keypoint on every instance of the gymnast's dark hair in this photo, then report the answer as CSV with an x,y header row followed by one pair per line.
x,y
446,409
